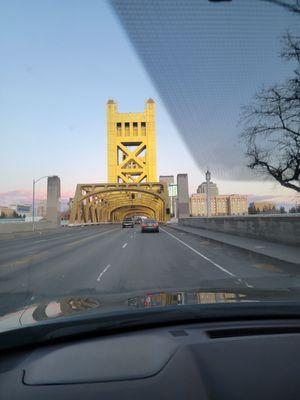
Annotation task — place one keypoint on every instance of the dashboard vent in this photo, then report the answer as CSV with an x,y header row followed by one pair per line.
x,y
253,331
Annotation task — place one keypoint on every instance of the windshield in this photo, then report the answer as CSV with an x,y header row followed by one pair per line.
x,y
150,156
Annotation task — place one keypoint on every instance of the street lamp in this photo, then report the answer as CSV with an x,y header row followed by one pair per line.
x,y
207,176
33,195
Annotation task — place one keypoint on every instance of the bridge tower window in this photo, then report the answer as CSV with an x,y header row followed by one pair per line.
x,y
143,128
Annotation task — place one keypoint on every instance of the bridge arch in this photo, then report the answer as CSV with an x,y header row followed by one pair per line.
x,y
111,202
119,213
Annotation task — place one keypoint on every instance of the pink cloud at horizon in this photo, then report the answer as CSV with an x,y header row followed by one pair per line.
x,y
25,196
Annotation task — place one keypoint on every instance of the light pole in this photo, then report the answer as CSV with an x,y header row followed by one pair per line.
x,y
33,198
208,175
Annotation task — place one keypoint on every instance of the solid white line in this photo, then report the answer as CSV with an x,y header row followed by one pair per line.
x,y
199,254
124,245
101,273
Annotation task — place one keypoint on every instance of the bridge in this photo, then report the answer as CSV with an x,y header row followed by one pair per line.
x,y
132,188
112,202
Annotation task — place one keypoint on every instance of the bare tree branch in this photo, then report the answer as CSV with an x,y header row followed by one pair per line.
x,y
294,6
272,125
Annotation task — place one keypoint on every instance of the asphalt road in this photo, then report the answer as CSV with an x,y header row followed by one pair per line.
x,y
108,260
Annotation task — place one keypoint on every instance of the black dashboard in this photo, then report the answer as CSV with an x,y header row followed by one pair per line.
x,y
221,360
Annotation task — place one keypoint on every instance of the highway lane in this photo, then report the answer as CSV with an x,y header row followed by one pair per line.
x,y
107,259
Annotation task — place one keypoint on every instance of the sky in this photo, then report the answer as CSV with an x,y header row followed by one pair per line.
x,y
61,62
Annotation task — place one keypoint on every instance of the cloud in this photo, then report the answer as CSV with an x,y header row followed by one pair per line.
x,y
25,197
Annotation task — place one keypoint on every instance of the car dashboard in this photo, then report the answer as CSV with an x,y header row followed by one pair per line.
x,y
222,360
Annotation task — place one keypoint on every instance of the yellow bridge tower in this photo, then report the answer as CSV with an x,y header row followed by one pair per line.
x,y
131,145
132,188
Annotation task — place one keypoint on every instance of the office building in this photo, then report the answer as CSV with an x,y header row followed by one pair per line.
x,y
237,204
21,209
6,211
168,179
220,205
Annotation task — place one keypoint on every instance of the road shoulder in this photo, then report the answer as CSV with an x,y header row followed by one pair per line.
x,y
278,251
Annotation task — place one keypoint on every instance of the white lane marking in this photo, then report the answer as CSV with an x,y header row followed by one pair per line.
x,y
124,245
200,254
245,283
101,273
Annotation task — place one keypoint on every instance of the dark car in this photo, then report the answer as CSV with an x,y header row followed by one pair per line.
x,y
128,222
149,225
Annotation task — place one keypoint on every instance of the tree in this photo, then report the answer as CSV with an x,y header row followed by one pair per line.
x,y
252,209
272,125
282,210
293,6
15,214
2,214
294,210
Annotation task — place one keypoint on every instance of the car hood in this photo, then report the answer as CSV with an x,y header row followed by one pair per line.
x,y
70,306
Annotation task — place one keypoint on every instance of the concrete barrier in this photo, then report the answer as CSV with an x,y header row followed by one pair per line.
x,y
26,227
273,228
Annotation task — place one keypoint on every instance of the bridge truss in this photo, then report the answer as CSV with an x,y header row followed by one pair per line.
x,y
111,202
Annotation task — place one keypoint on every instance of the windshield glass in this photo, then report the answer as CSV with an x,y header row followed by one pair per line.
x,y
183,115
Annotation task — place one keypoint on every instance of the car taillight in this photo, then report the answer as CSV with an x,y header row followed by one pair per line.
x,y
143,225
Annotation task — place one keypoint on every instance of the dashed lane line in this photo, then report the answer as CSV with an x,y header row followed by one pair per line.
x,y
103,272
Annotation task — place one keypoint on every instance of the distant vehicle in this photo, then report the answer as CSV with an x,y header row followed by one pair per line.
x,y
138,220
149,225
128,222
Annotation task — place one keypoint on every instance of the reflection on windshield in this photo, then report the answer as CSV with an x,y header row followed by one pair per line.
x,y
62,307
181,298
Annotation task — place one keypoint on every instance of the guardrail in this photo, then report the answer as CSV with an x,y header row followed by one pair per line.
x,y
281,228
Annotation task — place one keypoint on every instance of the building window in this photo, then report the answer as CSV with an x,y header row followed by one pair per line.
x,y
135,129
127,129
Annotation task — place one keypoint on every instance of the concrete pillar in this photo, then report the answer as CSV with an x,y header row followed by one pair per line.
x,y
53,195
183,205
